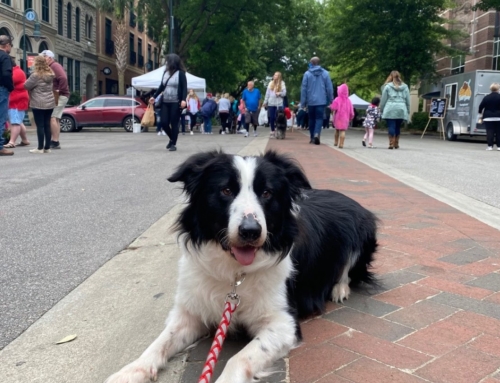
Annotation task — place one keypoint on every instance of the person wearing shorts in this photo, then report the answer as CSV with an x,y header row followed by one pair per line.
x,y
251,100
61,89
18,105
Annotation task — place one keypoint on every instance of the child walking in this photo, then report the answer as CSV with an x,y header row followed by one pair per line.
x,y
370,123
343,113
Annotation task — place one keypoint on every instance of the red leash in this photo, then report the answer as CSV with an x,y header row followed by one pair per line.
x,y
220,335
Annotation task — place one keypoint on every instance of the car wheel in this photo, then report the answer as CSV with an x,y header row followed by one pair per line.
x,y
128,123
67,124
450,136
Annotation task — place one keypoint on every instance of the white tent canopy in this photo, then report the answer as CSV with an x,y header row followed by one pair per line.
x,y
152,80
357,102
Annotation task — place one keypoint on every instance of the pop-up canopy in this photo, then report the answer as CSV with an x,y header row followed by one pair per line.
x,y
152,80
357,102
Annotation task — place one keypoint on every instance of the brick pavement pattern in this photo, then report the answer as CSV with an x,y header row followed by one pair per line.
x,y
436,316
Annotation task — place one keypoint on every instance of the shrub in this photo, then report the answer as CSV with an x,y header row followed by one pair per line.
x,y
419,121
74,99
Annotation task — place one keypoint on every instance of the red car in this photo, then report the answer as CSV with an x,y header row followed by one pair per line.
x,y
104,111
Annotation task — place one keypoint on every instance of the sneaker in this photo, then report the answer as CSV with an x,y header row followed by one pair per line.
x,y
55,145
255,134
489,148
363,142
498,148
316,139
370,146
159,133
47,151
246,134
191,132
39,151
223,132
163,133
173,148
169,145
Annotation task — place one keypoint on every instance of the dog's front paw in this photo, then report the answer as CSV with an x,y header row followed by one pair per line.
x,y
340,292
136,372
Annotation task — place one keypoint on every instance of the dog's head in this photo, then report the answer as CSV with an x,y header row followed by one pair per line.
x,y
243,204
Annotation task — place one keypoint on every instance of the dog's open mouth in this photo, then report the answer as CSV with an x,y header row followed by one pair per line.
x,y
244,254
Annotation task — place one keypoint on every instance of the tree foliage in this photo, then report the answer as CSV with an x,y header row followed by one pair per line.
x,y
486,5
375,37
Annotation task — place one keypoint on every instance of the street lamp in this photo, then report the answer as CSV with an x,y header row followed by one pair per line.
x,y
171,33
30,15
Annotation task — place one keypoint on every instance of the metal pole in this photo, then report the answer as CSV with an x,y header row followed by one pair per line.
x,y
24,43
171,33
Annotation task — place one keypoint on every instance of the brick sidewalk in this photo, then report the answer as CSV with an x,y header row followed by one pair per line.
x,y
437,316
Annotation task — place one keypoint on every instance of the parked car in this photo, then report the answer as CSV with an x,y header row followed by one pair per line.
x,y
104,111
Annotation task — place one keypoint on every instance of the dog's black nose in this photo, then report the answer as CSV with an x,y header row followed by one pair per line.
x,y
249,229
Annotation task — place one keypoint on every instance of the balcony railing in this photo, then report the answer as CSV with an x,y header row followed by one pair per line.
x,y
110,47
140,61
133,58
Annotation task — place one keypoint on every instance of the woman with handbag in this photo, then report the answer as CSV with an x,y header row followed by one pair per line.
x,y
174,89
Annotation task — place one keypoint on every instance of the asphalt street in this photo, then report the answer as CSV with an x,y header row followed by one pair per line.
x,y
65,214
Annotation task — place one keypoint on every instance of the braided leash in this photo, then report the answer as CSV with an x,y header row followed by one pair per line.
x,y
213,355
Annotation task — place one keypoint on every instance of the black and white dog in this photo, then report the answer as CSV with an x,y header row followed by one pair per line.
x,y
280,124
298,247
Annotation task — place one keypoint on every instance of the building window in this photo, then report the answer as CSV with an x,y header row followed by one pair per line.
x,y
99,90
457,64
496,54
69,72
140,59
60,59
450,92
131,43
88,27
46,11
28,4
69,24
60,17
77,76
131,15
7,2
108,30
77,24
42,47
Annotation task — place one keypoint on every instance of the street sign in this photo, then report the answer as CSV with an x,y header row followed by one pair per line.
x,y
30,15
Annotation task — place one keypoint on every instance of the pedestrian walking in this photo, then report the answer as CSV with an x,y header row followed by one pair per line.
x,y
395,106
6,86
370,122
42,103
208,111
61,96
251,101
193,107
18,105
490,109
224,109
274,99
343,113
316,93
174,88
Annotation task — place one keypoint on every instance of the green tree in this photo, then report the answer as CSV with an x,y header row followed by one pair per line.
x,y
486,5
374,37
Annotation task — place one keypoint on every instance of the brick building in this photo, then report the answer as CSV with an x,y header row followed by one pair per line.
x,y
481,43
144,53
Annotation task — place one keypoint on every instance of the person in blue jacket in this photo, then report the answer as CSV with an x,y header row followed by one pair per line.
x,y
316,94
208,110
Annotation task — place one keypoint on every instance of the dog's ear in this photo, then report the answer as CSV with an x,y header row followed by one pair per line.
x,y
292,169
192,169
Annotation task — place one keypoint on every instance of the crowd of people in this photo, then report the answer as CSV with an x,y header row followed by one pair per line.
x,y
45,92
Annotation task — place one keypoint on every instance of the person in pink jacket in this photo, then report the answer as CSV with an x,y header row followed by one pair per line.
x,y
343,113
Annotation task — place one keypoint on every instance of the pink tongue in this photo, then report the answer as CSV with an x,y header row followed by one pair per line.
x,y
244,255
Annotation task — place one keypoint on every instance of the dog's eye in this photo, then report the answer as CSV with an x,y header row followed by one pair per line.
x,y
227,191
266,194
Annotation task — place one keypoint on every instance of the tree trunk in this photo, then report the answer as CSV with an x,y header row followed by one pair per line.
x,y
121,52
